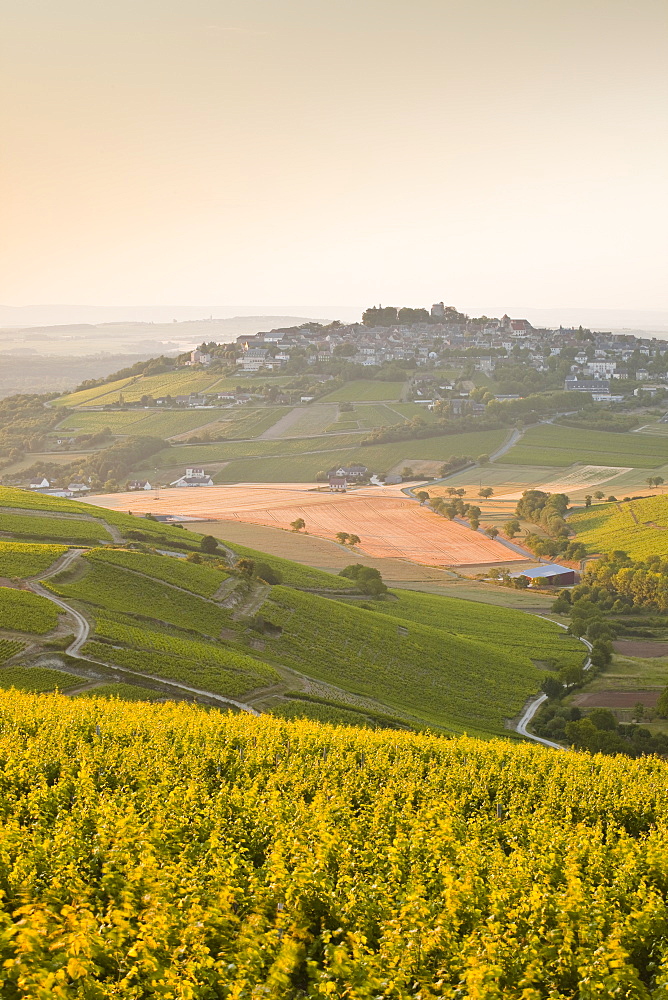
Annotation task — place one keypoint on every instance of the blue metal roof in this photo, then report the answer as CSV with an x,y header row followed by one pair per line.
x,y
549,569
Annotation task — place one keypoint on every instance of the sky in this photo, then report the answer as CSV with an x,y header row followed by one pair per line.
x,y
302,152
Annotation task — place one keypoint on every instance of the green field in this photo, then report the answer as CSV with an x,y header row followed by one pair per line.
x,y
163,535
366,416
110,588
177,383
23,611
365,389
378,458
638,527
56,529
443,677
9,648
154,422
548,444
20,559
37,679
293,574
203,580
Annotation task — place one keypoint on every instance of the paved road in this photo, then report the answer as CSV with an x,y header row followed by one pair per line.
x,y
533,706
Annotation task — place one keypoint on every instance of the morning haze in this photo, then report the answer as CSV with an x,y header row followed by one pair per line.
x,y
281,153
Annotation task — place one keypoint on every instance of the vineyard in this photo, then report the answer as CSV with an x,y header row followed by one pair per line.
x,y
154,423
439,676
220,669
108,587
548,444
36,679
639,527
20,559
55,529
365,389
9,648
203,580
22,611
174,852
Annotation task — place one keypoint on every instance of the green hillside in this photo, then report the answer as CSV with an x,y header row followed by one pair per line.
x,y
168,851
637,527
553,445
160,612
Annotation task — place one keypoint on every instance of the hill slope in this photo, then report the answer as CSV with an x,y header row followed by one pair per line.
x,y
139,610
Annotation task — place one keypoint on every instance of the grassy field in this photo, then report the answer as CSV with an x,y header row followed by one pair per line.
x,y
126,692
639,527
366,416
559,446
154,422
378,458
293,574
365,389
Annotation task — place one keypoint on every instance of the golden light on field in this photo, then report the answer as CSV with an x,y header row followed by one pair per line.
x,y
387,521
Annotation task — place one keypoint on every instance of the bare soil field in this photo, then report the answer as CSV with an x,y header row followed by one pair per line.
x,y
320,553
388,523
636,647
617,699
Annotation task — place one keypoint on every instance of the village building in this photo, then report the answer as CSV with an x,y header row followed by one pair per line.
x,y
194,477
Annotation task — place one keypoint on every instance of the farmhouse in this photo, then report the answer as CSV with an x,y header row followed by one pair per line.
x,y
350,472
194,477
556,576
139,484
338,483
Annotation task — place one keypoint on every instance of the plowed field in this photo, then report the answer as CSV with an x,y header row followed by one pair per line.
x,y
387,522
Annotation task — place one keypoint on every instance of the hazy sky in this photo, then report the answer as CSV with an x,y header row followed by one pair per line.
x,y
334,151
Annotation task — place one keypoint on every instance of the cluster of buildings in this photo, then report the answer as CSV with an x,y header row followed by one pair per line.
x,y
596,359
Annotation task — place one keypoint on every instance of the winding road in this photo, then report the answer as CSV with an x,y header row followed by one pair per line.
x,y
532,707
83,631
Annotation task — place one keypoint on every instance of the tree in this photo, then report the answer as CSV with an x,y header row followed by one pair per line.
x,y
638,711
588,500
485,492
451,491
492,531
482,459
422,496
475,523
521,582
298,524
552,686
267,573
603,718
208,544
367,580
342,537
194,557
246,567
599,494
354,539
511,528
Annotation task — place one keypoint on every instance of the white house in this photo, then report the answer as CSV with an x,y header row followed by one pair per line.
x,y
194,477
41,484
